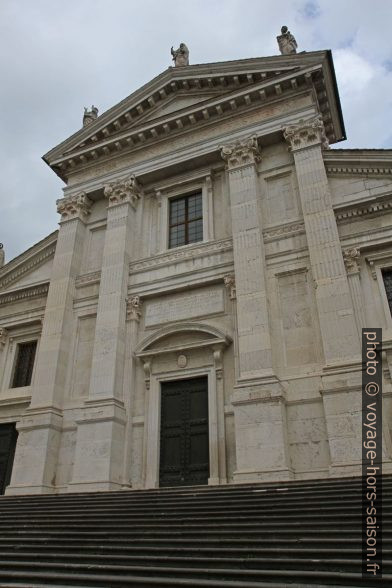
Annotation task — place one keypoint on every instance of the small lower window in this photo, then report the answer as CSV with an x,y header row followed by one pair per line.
x,y
24,364
185,220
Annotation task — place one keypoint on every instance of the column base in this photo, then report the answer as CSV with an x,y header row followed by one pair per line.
x,y
95,486
99,448
261,431
36,455
27,490
244,477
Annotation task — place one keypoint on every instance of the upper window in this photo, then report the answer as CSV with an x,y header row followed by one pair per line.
x,y
24,364
387,277
185,220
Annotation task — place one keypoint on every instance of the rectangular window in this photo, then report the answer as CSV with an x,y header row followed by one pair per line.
x,y
387,277
24,364
185,220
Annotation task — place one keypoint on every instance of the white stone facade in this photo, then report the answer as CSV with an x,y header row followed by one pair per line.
x,y
268,305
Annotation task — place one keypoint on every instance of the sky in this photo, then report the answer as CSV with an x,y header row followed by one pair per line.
x,y
57,57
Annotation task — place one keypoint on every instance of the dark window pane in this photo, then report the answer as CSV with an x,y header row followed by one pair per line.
x,y
195,231
387,277
185,220
24,364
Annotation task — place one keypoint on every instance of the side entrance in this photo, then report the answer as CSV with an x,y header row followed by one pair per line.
x,y
184,447
8,437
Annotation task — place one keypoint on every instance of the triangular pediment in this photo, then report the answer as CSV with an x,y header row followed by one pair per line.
x,y
31,267
190,96
176,104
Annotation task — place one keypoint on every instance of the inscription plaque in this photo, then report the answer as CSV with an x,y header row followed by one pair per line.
x,y
184,306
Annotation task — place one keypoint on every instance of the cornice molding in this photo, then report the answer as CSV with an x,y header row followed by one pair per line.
x,y
360,210
284,231
24,293
360,170
88,279
172,256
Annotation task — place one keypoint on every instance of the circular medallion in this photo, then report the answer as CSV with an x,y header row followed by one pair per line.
x,y
182,361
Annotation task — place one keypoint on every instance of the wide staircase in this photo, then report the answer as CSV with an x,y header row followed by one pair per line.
x,y
293,534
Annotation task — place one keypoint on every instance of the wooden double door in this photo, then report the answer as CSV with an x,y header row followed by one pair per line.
x,y
8,437
184,449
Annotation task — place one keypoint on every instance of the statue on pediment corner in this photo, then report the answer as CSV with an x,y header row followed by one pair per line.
x,y
180,56
90,115
286,41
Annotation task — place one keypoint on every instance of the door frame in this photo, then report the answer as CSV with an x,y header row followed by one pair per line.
x,y
153,432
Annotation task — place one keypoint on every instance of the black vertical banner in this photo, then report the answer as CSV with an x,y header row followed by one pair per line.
x,y
371,453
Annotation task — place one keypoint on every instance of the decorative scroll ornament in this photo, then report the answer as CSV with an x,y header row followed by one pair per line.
x,y
180,56
218,362
242,152
90,115
286,41
134,308
76,206
351,258
306,134
3,337
229,281
123,191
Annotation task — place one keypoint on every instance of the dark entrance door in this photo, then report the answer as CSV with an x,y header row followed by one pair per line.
x,y
8,437
184,455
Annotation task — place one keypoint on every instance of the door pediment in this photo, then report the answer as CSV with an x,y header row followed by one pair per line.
x,y
180,337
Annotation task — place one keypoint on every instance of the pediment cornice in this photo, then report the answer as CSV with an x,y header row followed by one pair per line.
x,y
223,87
28,261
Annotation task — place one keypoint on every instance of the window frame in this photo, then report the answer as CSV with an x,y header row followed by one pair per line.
x,y
15,363
187,221
163,196
377,263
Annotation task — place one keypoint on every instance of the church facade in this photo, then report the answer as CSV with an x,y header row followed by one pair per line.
x,y
196,318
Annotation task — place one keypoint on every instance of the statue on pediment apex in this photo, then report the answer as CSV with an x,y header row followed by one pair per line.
x,y
286,41
90,115
180,56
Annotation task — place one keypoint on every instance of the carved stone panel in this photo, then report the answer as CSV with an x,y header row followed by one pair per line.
x,y
177,307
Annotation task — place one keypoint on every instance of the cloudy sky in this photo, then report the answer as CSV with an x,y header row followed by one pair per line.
x,y
57,57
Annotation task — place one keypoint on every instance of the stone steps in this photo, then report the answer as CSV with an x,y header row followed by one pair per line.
x,y
276,535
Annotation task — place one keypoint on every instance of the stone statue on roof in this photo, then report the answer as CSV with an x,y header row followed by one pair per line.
x,y
286,41
90,115
181,55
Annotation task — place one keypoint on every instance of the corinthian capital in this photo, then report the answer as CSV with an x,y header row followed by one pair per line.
x,y
76,206
123,191
134,308
306,134
351,260
242,152
3,337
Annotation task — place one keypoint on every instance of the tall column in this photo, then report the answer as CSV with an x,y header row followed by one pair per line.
x,y
338,329
258,399
35,461
134,312
100,437
341,380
